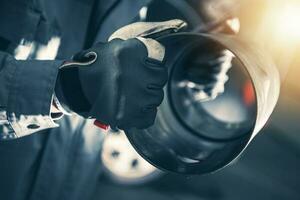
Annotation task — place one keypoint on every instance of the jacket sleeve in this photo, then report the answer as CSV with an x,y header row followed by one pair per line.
x,y
26,94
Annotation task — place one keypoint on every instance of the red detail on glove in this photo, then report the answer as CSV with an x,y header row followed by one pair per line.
x,y
101,125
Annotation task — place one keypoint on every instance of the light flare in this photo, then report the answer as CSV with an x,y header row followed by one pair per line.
x,y
288,23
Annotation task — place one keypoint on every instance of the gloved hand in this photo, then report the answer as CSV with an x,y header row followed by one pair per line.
x,y
120,83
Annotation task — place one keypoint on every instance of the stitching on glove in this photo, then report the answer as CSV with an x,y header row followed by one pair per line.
x,y
71,64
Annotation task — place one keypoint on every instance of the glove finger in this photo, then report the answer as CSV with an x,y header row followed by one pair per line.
x,y
158,77
154,98
142,121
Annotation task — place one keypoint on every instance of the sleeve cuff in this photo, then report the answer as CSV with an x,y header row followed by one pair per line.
x,y
30,96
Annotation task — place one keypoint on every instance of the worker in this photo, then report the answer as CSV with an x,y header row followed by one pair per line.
x,y
63,65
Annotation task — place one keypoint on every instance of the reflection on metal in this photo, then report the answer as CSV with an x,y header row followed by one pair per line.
x,y
194,137
123,163
263,73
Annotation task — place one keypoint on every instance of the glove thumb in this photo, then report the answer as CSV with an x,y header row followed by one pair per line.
x,y
148,29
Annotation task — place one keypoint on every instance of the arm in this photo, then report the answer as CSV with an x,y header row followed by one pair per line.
x,y
119,83
26,94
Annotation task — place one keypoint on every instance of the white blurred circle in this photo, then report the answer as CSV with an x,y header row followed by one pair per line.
x,y
121,160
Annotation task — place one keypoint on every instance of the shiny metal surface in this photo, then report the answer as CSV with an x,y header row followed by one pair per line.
x,y
206,140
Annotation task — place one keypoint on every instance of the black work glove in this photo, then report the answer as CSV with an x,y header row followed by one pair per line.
x,y
120,83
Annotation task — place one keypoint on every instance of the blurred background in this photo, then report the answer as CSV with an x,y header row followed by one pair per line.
x,y
270,166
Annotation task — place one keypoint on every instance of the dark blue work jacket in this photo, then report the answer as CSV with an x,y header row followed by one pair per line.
x,y
55,160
